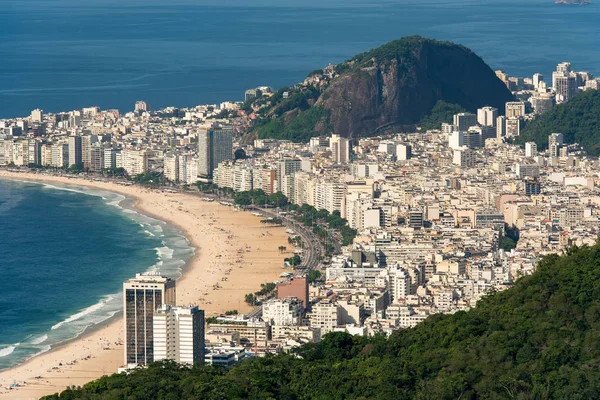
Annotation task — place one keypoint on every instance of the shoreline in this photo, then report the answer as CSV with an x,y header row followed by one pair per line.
x,y
223,268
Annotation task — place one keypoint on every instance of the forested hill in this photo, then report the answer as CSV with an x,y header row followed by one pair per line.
x,y
539,339
391,87
578,119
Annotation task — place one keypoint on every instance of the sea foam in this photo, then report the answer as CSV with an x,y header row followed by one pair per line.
x,y
8,350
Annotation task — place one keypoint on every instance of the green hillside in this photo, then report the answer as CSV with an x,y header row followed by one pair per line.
x,y
578,120
538,340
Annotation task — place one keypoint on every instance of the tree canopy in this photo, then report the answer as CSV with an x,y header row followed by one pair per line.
x,y
578,120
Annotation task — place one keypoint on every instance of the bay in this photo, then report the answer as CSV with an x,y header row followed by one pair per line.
x,y
61,55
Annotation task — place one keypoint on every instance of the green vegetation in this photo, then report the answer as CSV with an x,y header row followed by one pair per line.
x,y
260,198
402,49
441,112
313,276
253,299
114,172
294,261
578,120
507,244
536,340
310,216
299,129
76,168
272,221
266,288
150,178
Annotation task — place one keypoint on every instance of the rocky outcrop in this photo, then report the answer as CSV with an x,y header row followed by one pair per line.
x,y
397,91
388,89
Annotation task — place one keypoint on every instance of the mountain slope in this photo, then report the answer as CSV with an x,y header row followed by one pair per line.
x,y
578,120
393,87
536,340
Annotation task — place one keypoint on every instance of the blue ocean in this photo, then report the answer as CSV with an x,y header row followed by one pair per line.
x,y
64,254
67,54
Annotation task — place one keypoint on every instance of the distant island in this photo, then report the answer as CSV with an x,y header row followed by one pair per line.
x,y
576,2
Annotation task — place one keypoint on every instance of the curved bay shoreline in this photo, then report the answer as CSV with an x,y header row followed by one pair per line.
x,y
216,279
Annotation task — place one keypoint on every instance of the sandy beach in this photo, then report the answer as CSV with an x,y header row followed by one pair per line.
x,y
235,253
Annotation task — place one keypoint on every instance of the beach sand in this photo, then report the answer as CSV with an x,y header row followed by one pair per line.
x,y
235,253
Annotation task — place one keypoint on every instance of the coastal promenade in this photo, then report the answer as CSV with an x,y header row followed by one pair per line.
x,y
234,255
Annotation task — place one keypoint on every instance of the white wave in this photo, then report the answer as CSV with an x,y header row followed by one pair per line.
x,y
40,339
42,351
49,186
8,350
84,312
115,203
149,233
157,228
164,252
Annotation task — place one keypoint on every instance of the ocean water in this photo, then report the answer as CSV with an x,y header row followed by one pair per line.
x,y
67,54
64,254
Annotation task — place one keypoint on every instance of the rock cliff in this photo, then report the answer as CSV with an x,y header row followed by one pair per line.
x,y
392,87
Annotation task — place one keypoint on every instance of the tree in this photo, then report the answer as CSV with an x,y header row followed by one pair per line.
x,y
313,275
250,299
282,249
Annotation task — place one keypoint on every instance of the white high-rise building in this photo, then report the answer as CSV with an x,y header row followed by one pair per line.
x,y
486,116
325,315
286,167
500,127
286,311
566,88
37,115
110,158
537,79
463,157
60,155
75,150
171,167
143,296
340,149
399,283
456,140
215,145
178,334
403,152
515,109
530,149
135,162
141,107
555,142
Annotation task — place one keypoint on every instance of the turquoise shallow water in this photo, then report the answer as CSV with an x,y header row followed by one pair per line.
x,y
64,253
67,54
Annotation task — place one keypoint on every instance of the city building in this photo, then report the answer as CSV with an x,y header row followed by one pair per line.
x,y
566,88
403,152
141,107
215,145
295,287
340,149
555,142
463,121
75,151
487,116
178,334
515,109
530,149
142,297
